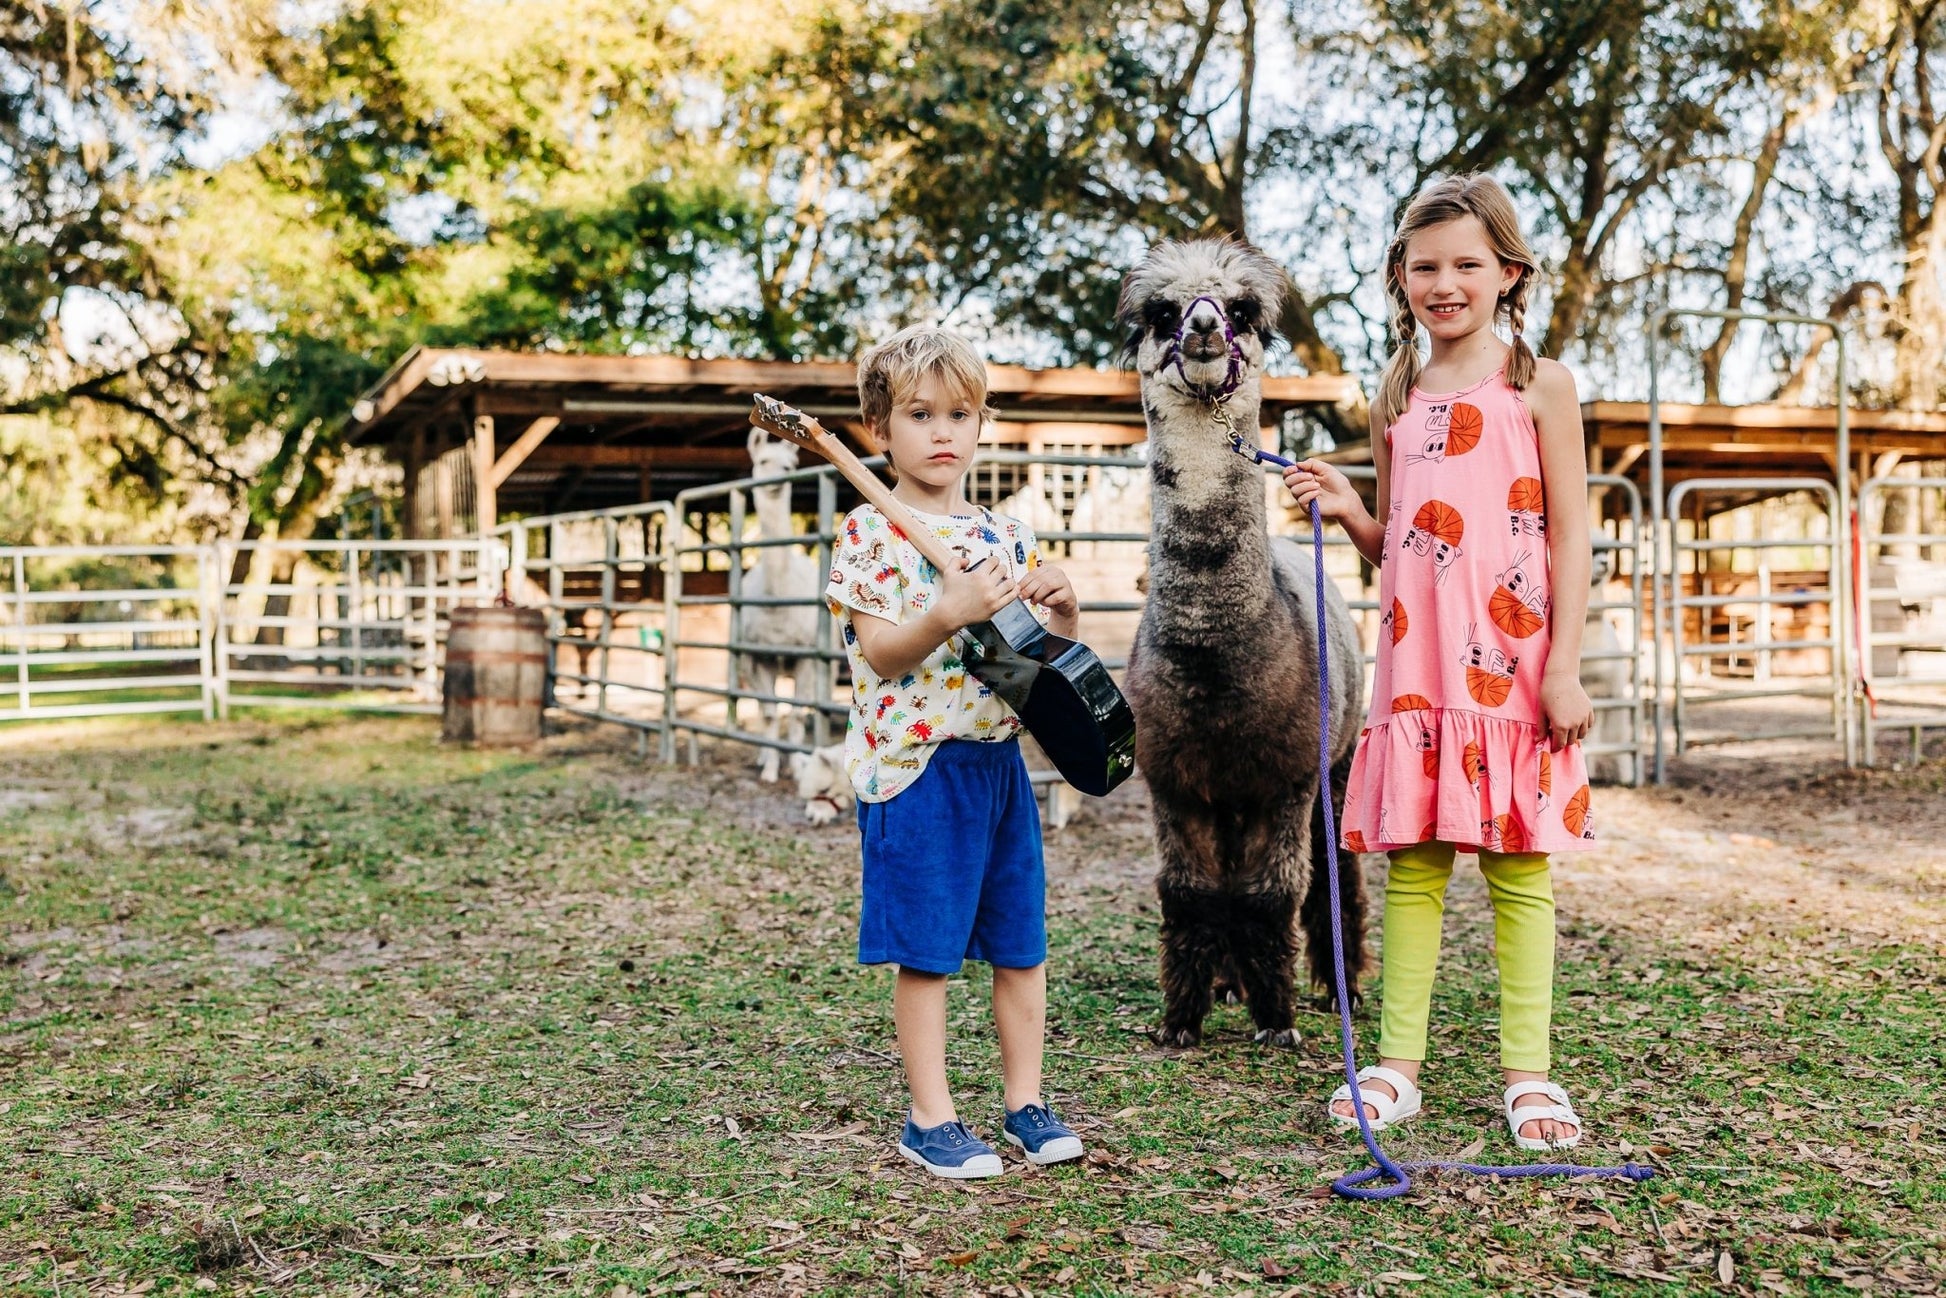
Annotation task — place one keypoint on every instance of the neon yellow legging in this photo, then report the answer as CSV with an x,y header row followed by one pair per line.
x,y
1523,939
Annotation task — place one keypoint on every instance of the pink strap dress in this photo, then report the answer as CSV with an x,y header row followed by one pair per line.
x,y
1454,748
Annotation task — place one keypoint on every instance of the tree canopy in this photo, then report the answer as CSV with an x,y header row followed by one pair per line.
x,y
222,221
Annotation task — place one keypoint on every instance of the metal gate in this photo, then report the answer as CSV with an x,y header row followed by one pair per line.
x,y
1901,586
706,609
1752,611
602,577
1620,733
342,623
93,631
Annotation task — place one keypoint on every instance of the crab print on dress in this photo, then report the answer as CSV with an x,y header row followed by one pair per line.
x,y
897,725
1436,530
1527,508
1519,603
1454,747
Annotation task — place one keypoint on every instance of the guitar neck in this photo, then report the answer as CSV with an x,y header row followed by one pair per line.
x,y
873,489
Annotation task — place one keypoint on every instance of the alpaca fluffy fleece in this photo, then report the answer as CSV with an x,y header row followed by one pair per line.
x,y
1223,675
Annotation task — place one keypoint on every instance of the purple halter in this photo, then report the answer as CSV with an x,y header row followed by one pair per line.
x,y
1214,394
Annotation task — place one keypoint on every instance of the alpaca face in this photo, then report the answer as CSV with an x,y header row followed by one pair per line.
x,y
1168,282
770,456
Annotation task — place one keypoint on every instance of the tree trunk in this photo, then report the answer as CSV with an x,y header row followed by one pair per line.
x,y
1572,299
1737,271
1920,358
1791,391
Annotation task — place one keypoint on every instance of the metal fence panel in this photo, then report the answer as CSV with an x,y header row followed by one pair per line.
x,y
602,578
1693,689
342,623
92,631
706,626
1901,623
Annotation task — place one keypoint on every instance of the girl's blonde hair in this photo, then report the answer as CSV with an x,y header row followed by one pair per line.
x,y
1450,200
888,373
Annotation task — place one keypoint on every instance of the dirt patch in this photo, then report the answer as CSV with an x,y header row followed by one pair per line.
x,y
22,799
254,948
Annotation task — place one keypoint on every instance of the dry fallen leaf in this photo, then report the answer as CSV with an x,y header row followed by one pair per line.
x,y
730,1125
1471,1152
1726,1267
1274,1270
960,1259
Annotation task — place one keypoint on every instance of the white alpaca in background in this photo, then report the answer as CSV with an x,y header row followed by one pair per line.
x,y
781,571
1033,506
1117,501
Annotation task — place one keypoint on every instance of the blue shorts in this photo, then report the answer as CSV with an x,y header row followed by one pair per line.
x,y
953,867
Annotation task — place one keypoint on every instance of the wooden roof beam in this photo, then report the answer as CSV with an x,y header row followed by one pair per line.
x,y
516,455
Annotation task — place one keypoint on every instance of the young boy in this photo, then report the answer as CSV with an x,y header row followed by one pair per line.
x,y
951,833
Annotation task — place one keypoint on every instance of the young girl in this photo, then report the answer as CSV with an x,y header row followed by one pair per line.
x,y
1477,715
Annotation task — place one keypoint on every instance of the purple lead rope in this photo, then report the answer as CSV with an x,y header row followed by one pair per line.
x,y
1352,1185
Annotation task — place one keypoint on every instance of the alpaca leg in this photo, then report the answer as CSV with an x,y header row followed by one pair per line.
x,y
1265,942
1316,913
1193,939
762,675
1195,935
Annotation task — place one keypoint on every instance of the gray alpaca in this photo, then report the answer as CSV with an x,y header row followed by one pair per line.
x,y
1223,676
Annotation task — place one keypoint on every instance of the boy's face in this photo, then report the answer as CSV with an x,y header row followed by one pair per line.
x,y
931,434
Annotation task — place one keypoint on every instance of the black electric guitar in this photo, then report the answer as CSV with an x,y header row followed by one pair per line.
x,y
1063,694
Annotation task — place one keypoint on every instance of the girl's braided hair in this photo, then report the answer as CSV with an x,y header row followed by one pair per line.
x,y
1442,201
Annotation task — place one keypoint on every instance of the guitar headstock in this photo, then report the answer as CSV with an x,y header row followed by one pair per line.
x,y
787,422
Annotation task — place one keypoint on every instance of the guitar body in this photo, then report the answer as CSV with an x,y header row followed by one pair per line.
x,y
1063,694
1058,687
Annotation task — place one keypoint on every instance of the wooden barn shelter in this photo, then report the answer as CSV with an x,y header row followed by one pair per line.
x,y
1757,440
1754,441
529,433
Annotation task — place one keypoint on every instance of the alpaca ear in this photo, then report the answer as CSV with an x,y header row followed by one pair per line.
x,y
1128,311
756,441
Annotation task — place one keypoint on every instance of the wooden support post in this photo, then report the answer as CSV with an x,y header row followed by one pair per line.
x,y
442,492
485,503
415,463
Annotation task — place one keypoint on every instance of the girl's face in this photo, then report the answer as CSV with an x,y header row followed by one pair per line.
x,y
1453,279
932,434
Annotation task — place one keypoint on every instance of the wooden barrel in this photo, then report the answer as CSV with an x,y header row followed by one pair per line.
x,y
496,670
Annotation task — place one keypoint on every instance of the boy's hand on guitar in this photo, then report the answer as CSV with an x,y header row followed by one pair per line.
x,y
969,595
1052,589
1314,479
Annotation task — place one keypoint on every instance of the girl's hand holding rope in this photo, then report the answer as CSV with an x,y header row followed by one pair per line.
x,y
1309,480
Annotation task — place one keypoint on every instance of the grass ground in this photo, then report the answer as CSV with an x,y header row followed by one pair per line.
x,y
318,1006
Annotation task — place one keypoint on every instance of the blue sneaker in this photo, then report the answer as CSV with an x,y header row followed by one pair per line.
x,y
949,1150
1044,1138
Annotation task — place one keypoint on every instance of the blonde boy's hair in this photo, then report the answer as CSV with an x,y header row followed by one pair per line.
x,y
1442,201
889,372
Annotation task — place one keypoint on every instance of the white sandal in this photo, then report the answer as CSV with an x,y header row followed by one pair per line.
x,y
1392,1109
1560,1109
